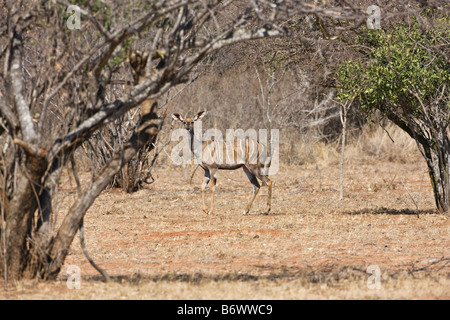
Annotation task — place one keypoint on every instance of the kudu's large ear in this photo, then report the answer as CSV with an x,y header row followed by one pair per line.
x,y
177,117
199,115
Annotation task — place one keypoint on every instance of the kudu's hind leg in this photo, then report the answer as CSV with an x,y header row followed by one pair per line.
x,y
266,181
256,188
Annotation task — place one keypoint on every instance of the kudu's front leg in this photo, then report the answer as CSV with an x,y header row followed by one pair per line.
x,y
205,183
213,188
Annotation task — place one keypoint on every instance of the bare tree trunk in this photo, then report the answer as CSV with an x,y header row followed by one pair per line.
x,y
343,113
438,162
23,205
434,144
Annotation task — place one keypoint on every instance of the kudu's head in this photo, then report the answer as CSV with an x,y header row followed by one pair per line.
x,y
189,122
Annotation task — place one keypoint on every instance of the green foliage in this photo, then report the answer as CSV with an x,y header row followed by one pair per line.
x,y
123,52
400,62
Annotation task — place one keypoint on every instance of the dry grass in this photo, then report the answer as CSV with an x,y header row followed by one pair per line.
x,y
158,244
371,144
340,285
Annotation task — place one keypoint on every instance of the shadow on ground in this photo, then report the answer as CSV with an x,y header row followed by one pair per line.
x,y
390,211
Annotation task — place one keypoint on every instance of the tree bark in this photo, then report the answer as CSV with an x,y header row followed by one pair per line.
x,y
344,111
438,162
20,213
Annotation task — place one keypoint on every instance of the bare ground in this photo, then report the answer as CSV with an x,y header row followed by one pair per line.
x,y
158,244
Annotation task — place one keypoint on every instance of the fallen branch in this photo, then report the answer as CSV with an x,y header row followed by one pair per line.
x,y
86,254
443,259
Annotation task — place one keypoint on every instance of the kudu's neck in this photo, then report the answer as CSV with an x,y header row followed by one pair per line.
x,y
192,138
195,144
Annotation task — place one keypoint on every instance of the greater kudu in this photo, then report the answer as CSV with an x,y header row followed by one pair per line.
x,y
243,153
